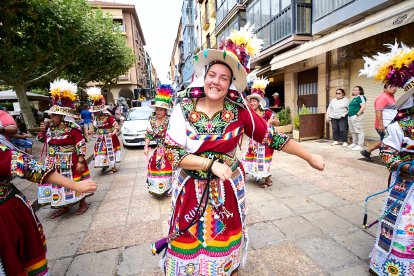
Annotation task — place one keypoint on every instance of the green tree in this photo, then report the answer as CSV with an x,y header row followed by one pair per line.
x,y
43,39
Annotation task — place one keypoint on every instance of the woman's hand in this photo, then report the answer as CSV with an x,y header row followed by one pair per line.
x,y
221,170
317,162
80,167
42,126
146,150
86,186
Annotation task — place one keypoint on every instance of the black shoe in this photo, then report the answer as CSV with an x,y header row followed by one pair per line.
x,y
366,154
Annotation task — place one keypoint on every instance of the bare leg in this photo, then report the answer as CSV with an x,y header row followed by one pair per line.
x,y
29,151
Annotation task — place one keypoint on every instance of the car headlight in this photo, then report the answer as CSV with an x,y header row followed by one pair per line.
x,y
127,130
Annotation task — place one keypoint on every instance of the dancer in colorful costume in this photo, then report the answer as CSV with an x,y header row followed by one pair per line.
x,y
23,245
107,150
258,158
393,252
159,177
207,227
66,152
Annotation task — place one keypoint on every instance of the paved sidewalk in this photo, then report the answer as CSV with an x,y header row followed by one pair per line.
x,y
307,223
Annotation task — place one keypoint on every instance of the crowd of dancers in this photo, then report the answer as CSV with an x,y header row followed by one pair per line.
x,y
195,163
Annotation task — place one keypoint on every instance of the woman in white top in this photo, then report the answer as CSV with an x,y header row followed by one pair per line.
x,y
337,114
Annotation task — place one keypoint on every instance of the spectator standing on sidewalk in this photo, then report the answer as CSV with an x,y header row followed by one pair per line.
x,y
356,117
384,113
337,115
87,118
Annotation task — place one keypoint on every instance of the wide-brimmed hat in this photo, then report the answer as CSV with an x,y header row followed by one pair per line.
x,y
164,96
236,52
96,99
257,91
63,95
395,68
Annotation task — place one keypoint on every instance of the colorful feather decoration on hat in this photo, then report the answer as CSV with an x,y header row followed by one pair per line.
x,y
63,93
244,44
393,68
165,93
95,95
260,84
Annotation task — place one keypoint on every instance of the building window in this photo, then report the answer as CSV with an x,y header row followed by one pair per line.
x,y
323,7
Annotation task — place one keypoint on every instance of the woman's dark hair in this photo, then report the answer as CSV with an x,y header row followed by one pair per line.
x,y
342,91
223,63
361,90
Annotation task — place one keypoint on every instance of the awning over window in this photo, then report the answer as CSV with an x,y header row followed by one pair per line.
x,y
385,20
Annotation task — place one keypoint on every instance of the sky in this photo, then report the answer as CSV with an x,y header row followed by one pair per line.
x,y
159,21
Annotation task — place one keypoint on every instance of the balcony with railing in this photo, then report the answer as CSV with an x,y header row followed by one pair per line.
x,y
225,8
295,19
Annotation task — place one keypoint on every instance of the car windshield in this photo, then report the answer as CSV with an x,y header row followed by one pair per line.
x,y
139,114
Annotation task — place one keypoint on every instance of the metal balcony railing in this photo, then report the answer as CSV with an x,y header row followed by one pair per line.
x,y
294,19
225,8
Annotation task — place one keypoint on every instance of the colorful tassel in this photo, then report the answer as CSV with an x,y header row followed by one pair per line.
x,y
159,246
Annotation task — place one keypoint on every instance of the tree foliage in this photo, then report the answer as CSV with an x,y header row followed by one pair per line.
x,y
44,39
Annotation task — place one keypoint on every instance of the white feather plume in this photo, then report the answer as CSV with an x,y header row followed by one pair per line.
x,y
63,85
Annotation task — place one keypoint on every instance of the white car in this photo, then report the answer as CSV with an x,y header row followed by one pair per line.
x,y
134,127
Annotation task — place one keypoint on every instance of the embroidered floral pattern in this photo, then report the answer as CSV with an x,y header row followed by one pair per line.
x,y
174,151
157,132
274,139
393,268
24,167
390,156
203,124
227,115
194,116
410,248
409,229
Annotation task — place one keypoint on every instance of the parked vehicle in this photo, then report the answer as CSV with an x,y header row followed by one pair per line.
x,y
134,127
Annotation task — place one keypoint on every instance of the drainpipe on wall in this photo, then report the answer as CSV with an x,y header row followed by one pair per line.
x,y
327,86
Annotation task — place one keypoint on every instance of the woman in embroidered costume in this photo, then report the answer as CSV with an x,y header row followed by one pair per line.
x,y
393,252
23,246
258,158
159,168
207,227
107,150
66,152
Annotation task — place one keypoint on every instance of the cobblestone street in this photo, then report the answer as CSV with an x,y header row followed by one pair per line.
x,y
307,223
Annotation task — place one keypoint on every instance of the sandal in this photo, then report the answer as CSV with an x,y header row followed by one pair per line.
x,y
111,172
268,182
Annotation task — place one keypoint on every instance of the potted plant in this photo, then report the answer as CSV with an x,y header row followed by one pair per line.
x,y
296,121
285,120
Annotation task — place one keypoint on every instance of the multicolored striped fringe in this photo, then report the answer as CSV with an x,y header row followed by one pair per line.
x,y
213,137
